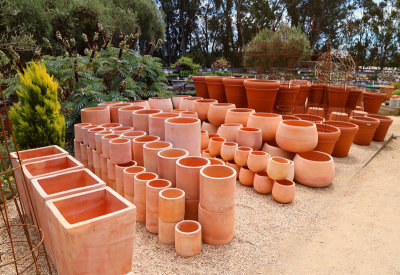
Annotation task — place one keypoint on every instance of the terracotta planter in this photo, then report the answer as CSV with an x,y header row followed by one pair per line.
x,y
217,112
358,113
125,114
387,90
188,175
177,99
347,132
85,133
297,135
229,131
211,129
150,151
120,150
291,171
317,95
278,168
111,175
267,122
129,174
96,115
77,150
302,95
338,95
204,139
383,127
234,166
137,145
189,114
139,185
114,111
311,118
314,169
201,106
157,123
228,150
217,228
79,232
339,116
238,115
283,191
110,126
187,103
122,129
104,171
96,163
107,104
316,111
89,153
235,91
261,94
258,161
91,136
290,117
367,128
246,177
216,161
153,188
78,131
98,140
262,183
214,145
166,231
206,154
201,86
286,96
241,155
250,137
140,212
143,103
354,97
171,205
140,119
164,104
84,156
119,176
131,135
328,135
184,133
188,240
373,102
215,87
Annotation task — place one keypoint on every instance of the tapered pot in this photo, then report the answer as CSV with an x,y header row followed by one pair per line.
x,y
229,131
278,168
171,205
201,106
238,115
228,150
387,90
267,122
164,104
217,112
125,114
297,135
137,145
114,111
78,131
311,118
383,127
188,240
373,102
347,132
328,135
187,103
286,96
241,155
184,133
338,95
258,161
354,97
250,137
261,94
120,150
246,177
262,183
188,175
283,191
215,87
214,146
96,115
140,119
367,128
235,91
201,86
129,174
150,151
317,95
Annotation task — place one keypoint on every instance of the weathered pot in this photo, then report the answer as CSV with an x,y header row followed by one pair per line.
x,y
188,175
383,127
129,174
188,240
96,115
217,112
164,104
261,94
215,87
201,86
246,177
347,132
171,205
229,131
204,139
140,119
241,155
184,133
267,122
297,135
367,128
214,145
122,129
120,150
372,102
238,115
114,111
125,114
283,191
262,183
119,176
153,189
235,91
137,147
187,103
105,140
201,106
150,150
250,137
278,168
78,131
328,135
228,150
257,161
157,123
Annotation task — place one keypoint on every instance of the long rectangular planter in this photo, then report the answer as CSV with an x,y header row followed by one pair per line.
x,y
57,186
92,232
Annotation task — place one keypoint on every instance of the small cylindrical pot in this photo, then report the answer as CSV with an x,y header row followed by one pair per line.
x,y
85,133
278,168
372,102
164,104
92,136
97,138
217,112
354,97
140,119
238,115
177,99
311,118
241,155
367,128
78,131
77,150
211,129
297,135
188,175
171,204
347,133
314,169
204,139
114,111
104,171
267,122
105,140
111,174
201,106
122,129
120,150
328,135
206,154
339,116
166,163
97,163
261,94
150,151
229,131
143,103
283,191
129,174
257,161
96,115
234,166
246,177
139,185
200,85
166,231
110,126
187,103
228,150
151,221
119,176
137,147
125,114
188,240
106,104
189,114
215,87
214,145
235,91
184,133
140,212
250,137
383,127
153,187
131,135
262,183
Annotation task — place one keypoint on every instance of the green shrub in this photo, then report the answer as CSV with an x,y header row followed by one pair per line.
x,y
37,120
397,92
185,64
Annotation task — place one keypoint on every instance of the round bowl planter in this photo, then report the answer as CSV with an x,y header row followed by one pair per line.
x,y
297,135
250,137
164,104
229,131
272,148
78,131
105,144
137,147
314,169
217,112
241,155
216,161
228,150
211,129
150,151
120,150
125,114
201,86
216,89
261,94
140,119
278,168
143,103
171,204
286,96
234,166
246,177
381,131
96,115
267,122
122,129
283,191
129,174
290,117
153,188
347,132
201,106
187,103
328,135
235,91
166,163
214,145
262,183
184,133
188,240
257,161
339,116
238,115
177,99
372,102
157,123
367,128
114,111
358,113
311,118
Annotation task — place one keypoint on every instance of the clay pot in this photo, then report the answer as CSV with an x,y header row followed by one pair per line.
x,y
291,171
114,111
171,205
228,150
278,168
187,103
387,90
143,103
189,114
216,161
217,188
105,143
206,154
317,95
338,95
188,238
246,177
107,104
302,95
85,133
372,102
110,126
131,135
211,129
122,129
129,174
238,115
339,116
347,132
257,161
261,94
184,133
78,131
166,163
191,210
77,150
367,128
139,185
166,231
89,153
137,147
241,155
201,86
201,106
157,123
290,117
164,104
111,174
217,112
316,111
383,127
119,176
358,113
91,136
250,137
150,150
283,191
188,175
328,135
140,119
153,188
95,115
235,91
204,139
354,96
234,166
229,131
214,145
104,171
125,114
314,169
286,96
311,118
297,135
177,99
215,87
120,150
97,138
217,228
84,156
140,211
267,122
262,183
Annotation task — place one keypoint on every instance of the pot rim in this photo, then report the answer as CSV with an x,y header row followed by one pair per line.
x,y
103,133
345,124
94,109
259,153
218,139
158,98
120,140
110,136
207,162
250,129
80,125
162,152
285,160
232,125
207,100
131,163
146,112
130,133
309,117
139,139
364,121
304,155
220,168
148,184
153,175
242,110
321,127
131,108
96,130
134,167
111,125
192,98
182,120
165,115
149,145
109,103
169,190
381,118
191,232
221,162
216,104
119,105
122,128
244,148
285,185
264,114
298,123
230,144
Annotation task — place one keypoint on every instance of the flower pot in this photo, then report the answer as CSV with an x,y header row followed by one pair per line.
x,y
246,177
153,188
139,185
114,111
358,113
78,131
91,136
283,191
339,116
122,129
314,169
217,228
217,112
234,166
131,135
387,90
140,211
328,135
189,114
110,126
119,176
347,132
338,95
316,111
137,146
104,171
286,96
302,95
206,154
96,163
89,153
238,115
85,133
215,87
290,117
177,99
140,119
311,118
150,151
228,150
204,139
111,175
98,139
383,127
214,145
262,183
143,103
216,161
107,104
120,150
267,122
166,231
201,106
77,150
96,115
250,137
257,161
164,104
188,240
317,95
229,131
157,123
211,129
354,96
367,128
184,133
201,86
84,156
171,205
166,163
241,155
188,175
278,168
191,210
373,102
125,114
129,174
297,135
235,91
261,94
187,103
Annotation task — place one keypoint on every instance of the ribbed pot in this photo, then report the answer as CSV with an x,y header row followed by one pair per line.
x,y
328,135
140,119
297,135
251,137
187,103
150,151
164,104
373,102
184,133
347,132
217,112
166,163
201,106
383,128
367,128
96,115
114,111
188,175
238,115
267,122
137,147
216,89
125,114
235,91
283,191
157,123
201,86
261,94
188,240
286,97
